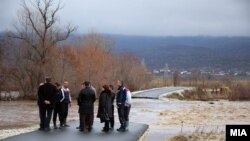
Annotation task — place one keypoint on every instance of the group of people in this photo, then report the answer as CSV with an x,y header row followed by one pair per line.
x,y
56,99
106,106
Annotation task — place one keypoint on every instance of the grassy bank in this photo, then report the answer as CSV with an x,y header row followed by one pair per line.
x,y
236,91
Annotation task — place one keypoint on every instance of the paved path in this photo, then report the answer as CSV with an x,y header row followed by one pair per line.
x,y
156,93
72,134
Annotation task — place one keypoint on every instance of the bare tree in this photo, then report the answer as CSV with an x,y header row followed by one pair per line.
x,y
92,60
131,69
39,31
38,27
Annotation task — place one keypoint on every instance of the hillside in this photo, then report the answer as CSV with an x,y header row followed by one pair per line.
x,y
227,53
188,52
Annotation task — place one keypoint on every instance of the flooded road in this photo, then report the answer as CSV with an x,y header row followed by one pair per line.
x,y
157,92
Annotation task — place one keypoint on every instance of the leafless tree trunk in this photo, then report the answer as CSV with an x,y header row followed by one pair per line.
x,y
38,28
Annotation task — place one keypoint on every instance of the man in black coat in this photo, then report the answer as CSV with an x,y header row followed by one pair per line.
x,y
86,101
46,100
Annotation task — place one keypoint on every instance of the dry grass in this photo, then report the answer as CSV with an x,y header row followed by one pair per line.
x,y
235,91
197,94
179,138
200,135
175,96
201,95
240,91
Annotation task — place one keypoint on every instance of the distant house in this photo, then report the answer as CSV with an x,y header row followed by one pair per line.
x,y
156,72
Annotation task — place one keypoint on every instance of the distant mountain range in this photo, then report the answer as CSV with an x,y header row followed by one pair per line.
x,y
227,53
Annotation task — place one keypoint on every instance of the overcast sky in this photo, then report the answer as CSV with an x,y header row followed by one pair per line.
x,y
148,17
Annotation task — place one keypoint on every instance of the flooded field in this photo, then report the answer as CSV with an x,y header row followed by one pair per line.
x,y
167,118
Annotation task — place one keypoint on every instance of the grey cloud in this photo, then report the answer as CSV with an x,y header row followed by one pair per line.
x,y
155,17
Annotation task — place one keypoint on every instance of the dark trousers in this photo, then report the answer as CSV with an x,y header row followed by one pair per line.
x,y
106,124
112,119
45,116
64,109
57,112
121,114
86,120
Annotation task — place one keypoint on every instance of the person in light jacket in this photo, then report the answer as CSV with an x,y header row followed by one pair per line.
x,y
127,107
65,103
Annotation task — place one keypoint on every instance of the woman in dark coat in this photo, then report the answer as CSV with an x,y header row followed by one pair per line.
x,y
105,107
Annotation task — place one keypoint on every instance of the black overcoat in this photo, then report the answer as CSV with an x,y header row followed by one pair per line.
x,y
105,105
86,101
47,92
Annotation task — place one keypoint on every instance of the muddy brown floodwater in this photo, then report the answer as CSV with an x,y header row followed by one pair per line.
x,y
166,117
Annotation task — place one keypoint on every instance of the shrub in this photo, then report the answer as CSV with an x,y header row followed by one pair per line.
x,y
240,91
175,96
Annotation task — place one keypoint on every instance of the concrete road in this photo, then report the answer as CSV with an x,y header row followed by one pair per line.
x,y
72,134
156,93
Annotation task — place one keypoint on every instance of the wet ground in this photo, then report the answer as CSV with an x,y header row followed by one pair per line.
x,y
71,134
166,117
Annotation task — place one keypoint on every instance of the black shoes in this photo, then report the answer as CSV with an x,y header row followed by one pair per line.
x,y
66,125
44,129
89,129
81,129
47,129
121,129
105,130
55,127
111,128
41,129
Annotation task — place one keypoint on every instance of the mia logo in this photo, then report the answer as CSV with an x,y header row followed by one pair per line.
x,y
238,132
